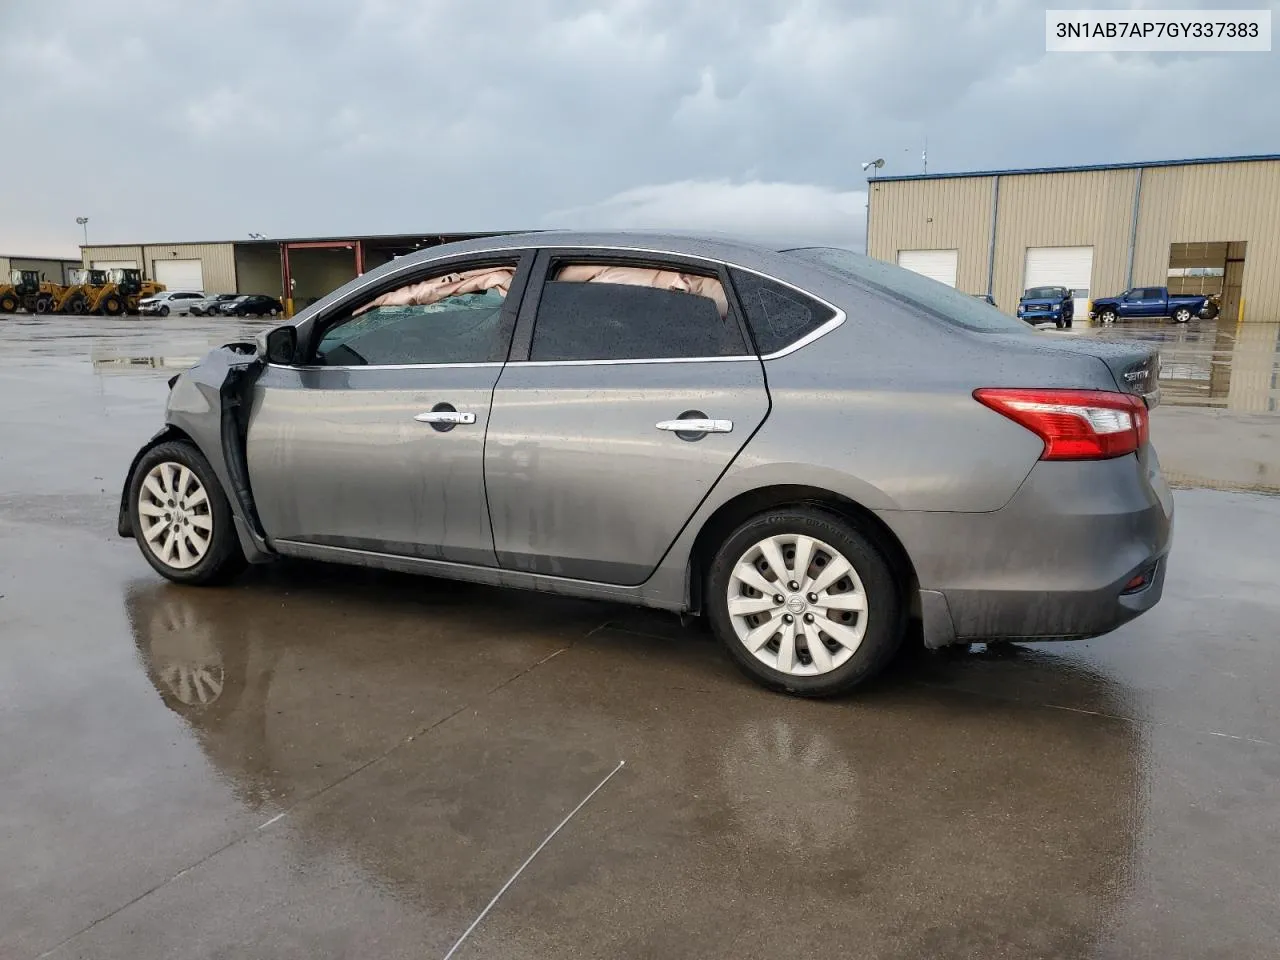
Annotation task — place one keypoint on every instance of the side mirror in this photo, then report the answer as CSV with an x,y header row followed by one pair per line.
x,y
282,345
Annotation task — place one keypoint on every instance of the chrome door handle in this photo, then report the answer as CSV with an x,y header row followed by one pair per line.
x,y
445,416
696,426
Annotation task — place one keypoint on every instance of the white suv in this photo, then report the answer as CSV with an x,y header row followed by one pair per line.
x,y
170,301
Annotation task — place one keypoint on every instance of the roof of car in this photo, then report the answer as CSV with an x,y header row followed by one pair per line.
x,y
718,247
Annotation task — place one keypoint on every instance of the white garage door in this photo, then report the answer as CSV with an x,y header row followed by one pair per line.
x,y
180,274
115,264
1070,267
937,265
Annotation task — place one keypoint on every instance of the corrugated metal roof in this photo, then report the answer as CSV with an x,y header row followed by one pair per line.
x,y
1195,161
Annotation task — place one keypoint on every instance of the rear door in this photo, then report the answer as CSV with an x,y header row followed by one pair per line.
x,y
623,405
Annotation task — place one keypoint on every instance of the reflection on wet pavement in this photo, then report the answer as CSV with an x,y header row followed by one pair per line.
x,y
320,761
1208,363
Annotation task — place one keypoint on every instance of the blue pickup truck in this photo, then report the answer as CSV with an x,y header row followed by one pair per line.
x,y
1147,302
1041,304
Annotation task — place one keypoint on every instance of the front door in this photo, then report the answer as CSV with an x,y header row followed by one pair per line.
x,y
638,392
376,441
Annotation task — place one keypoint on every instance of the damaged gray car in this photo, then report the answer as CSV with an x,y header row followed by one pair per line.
x,y
811,449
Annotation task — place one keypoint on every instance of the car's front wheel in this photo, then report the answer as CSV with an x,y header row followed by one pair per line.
x,y
805,602
1107,316
181,518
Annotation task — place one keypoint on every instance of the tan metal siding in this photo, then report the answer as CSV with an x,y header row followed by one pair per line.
x,y
934,215
217,259
90,254
1215,202
1085,209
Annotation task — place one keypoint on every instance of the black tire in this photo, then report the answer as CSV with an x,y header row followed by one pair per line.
x,y
164,311
8,303
224,558
1069,319
1181,315
1059,324
886,621
77,305
112,306
1107,316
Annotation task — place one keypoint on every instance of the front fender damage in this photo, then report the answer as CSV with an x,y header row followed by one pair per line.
x,y
209,407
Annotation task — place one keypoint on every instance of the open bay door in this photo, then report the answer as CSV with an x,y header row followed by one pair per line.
x,y
1070,267
937,265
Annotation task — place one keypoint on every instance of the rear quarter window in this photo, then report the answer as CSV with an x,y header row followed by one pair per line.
x,y
778,315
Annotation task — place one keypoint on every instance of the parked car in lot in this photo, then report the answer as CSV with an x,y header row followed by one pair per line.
x,y
1147,302
1044,304
805,446
251,305
208,307
169,301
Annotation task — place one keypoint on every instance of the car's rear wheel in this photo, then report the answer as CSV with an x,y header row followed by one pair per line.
x,y
181,518
1182,315
805,602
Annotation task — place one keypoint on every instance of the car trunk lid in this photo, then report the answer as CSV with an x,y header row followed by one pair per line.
x,y
1135,367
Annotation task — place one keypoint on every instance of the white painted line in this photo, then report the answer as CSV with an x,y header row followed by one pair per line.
x,y
497,896
278,816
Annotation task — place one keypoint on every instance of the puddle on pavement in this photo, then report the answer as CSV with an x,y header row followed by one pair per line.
x,y
1205,363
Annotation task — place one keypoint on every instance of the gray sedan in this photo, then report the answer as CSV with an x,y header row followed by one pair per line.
x,y
809,448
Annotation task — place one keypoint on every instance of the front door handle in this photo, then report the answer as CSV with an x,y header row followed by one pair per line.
x,y
445,416
696,425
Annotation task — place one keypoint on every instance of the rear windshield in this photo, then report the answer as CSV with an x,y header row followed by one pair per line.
x,y
935,298
1043,293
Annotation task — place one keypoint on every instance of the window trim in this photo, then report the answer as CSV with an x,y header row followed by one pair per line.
x,y
530,257
548,257
330,316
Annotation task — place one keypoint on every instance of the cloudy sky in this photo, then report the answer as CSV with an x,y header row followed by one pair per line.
x,y
166,120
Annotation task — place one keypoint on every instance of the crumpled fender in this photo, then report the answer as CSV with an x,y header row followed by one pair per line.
x,y
209,407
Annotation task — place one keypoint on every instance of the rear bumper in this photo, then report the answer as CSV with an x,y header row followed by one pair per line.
x,y
1054,563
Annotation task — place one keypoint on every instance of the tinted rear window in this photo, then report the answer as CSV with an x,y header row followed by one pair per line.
x,y
777,314
610,321
937,299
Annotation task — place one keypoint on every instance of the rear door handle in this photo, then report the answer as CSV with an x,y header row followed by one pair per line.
x,y
699,425
445,416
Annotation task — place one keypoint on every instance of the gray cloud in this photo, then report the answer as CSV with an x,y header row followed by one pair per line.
x,y
165,121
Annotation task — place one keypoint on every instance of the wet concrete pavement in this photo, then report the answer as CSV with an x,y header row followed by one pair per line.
x,y
321,762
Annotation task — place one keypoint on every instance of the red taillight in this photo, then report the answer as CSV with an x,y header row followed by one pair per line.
x,y
1074,424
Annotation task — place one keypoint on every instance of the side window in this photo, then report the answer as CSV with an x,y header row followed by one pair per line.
x,y
777,315
613,312
450,318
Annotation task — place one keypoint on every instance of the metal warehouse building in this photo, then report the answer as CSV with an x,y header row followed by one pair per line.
x,y
52,269
299,271
1196,226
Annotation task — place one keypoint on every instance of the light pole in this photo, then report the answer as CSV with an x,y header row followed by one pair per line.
x,y
873,166
84,222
